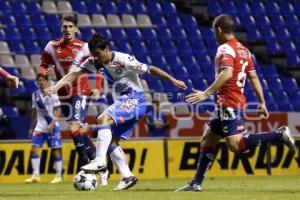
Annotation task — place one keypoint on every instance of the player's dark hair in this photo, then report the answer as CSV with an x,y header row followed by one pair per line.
x,y
225,22
98,41
41,75
70,18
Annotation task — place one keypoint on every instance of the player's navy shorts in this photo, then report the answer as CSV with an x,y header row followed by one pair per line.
x,y
75,109
126,112
53,139
227,122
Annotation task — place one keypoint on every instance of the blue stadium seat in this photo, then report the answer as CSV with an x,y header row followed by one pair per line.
x,y
272,106
23,20
5,7
178,33
159,60
18,7
149,34
267,32
86,33
247,20
262,20
16,47
253,34
207,34
138,47
292,59
164,34
93,8
288,46
188,21
38,20
79,6
280,96
229,8
8,20
200,83
291,20
277,20
290,84
118,34
270,71
133,34
258,7
138,7
153,46
13,71
286,7
244,6
123,47
109,7
183,46
33,7
180,72
168,7
173,21
194,71
155,84
174,60
272,7
189,61
28,33
154,7
143,57
168,47
158,20
274,83
297,8
273,46
2,35
204,60
10,111
32,47
52,20
55,32
124,7
193,34
12,33
285,106
42,33
214,8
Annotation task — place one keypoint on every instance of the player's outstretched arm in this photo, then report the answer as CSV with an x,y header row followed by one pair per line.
x,y
198,96
255,83
67,79
163,75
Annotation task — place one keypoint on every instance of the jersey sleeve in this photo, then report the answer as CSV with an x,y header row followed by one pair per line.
x,y
134,65
250,66
227,56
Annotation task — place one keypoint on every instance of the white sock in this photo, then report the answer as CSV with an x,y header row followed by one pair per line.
x,y
103,141
58,167
119,158
35,162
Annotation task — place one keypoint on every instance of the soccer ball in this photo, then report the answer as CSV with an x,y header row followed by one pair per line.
x,y
85,181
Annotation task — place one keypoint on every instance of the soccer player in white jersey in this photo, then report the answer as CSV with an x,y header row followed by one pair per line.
x,y
116,122
44,126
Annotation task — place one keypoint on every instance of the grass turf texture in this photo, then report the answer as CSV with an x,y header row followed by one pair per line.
x,y
235,188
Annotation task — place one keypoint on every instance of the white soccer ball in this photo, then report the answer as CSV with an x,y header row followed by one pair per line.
x,y
85,181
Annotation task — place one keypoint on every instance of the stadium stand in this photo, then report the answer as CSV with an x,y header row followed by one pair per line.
x,y
159,32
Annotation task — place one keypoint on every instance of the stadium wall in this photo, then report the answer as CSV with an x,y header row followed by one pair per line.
x,y
155,159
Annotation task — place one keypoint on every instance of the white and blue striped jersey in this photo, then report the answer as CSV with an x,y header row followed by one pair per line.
x,y
122,72
44,106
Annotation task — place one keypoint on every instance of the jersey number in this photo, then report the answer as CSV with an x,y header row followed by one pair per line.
x,y
241,79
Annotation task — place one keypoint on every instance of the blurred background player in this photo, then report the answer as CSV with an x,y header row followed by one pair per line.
x,y
116,122
156,120
57,59
11,81
233,63
45,113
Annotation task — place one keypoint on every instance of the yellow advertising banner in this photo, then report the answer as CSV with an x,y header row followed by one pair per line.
x,y
145,158
183,157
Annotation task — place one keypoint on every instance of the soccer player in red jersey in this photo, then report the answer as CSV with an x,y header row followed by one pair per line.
x,y
233,63
57,59
11,81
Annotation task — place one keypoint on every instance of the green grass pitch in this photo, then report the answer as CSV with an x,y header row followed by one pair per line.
x,y
235,188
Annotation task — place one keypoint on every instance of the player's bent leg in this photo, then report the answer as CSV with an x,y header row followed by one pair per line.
x,y
245,141
90,148
206,158
35,163
58,166
103,140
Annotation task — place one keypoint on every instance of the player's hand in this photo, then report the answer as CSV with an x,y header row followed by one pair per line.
x,y
196,97
12,81
179,84
262,111
30,133
50,72
95,94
